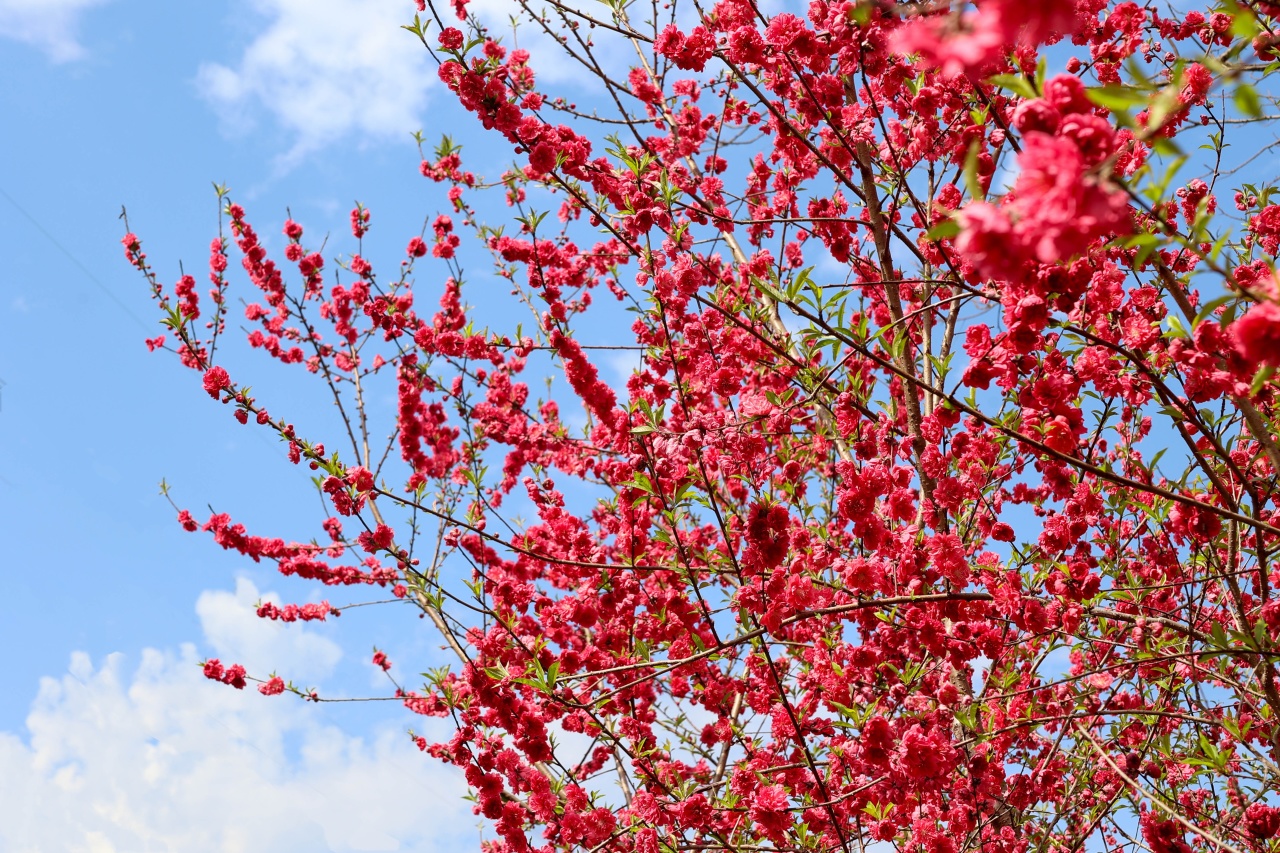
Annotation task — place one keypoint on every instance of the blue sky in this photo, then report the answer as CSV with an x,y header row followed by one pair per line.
x,y
110,739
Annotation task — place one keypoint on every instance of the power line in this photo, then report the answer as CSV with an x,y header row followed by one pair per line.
x,y
63,249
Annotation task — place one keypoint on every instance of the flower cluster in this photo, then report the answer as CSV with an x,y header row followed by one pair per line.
x,y
925,496
233,675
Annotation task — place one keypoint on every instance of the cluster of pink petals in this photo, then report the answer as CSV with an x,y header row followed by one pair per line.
x,y
1062,201
968,42
1257,335
1055,213
233,675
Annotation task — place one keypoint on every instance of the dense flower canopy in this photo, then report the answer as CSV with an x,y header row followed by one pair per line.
x,y
940,509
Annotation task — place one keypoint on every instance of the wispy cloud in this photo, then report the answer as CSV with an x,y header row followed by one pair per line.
x,y
162,759
325,70
50,25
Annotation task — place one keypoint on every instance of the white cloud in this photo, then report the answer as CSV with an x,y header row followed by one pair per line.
x,y
619,366
234,629
326,69
163,759
49,25
547,57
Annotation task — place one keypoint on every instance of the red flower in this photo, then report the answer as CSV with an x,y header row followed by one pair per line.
x,y
769,811
274,687
1163,836
1262,821
450,38
216,381
690,52
360,478
543,158
1067,93
360,221
950,47
986,238
1257,334
234,676
922,756
767,533
379,539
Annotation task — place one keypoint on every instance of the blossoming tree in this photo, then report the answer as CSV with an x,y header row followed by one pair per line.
x,y
941,511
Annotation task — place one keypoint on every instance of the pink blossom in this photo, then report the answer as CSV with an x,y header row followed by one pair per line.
x,y
986,240
1262,821
272,687
769,811
971,41
1257,334
953,49
689,53
450,38
1068,94
216,381
1036,114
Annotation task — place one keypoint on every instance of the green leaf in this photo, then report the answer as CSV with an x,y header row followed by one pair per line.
x,y
1117,98
1211,306
1246,100
1165,147
1014,83
1243,23
1260,379
946,228
971,181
